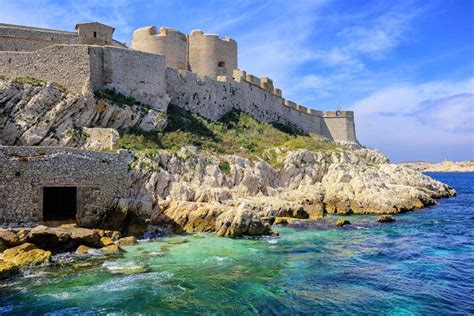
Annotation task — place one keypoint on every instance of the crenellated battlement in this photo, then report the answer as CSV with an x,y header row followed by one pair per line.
x,y
198,72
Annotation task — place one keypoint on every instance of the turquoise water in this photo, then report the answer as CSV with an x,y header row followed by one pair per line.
x,y
421,265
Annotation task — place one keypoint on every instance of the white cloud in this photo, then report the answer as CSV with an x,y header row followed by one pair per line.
x,y
432,120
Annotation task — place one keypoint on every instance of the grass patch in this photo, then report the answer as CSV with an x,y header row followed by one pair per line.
x,y
235,133
117,97
224,165
30,80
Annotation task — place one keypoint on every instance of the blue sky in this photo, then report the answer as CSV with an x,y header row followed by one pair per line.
x,y
405,67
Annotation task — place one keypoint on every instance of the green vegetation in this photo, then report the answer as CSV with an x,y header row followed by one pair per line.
x,y
117,97
235,133
224,166
30,80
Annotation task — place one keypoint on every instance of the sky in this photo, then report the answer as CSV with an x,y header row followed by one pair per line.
x,y
405,67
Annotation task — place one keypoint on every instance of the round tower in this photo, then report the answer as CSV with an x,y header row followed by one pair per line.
x,y
210,55
168,42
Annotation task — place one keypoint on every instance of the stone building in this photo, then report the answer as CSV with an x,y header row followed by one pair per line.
x,y
19,38
212,56
198,72
170,43
94,33
50,183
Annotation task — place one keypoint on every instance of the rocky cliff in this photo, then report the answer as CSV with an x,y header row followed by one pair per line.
x,y
232,177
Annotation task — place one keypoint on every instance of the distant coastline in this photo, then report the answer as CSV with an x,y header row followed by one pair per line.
x,y
445,166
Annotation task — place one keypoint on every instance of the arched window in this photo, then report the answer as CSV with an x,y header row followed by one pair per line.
x,y
221,64
95,34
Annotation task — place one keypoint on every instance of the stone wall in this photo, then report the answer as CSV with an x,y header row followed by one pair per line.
x,y
210,55
68,65
81,67
27,39
170,43
100,179
137,74
212,99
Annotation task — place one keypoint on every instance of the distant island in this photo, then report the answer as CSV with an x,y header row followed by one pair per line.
x,y
445,166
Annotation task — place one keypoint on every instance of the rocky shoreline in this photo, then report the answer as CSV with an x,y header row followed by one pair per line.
x,y
28,247
445,166
193,189
190,192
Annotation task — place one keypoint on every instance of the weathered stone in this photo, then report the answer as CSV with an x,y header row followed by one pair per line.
x,y
342,222
83,249
30,258
112,250
26,255
12,252
10,238
7,269
386,219
127,241
106,241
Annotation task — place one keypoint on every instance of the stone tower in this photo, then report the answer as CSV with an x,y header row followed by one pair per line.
x,y
168,42
95,33
210,55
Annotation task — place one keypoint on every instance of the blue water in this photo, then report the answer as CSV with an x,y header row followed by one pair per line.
x,y
421,265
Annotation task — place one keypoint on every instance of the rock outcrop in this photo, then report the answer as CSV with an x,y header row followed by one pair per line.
x,y
49,116
190,192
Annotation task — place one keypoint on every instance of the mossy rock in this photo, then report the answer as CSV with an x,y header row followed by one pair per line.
x,y
386,219
342,222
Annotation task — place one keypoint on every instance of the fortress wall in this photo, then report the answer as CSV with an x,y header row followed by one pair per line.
x,y
210,55
20,38
136,74
170,43
100,179
66,65
212,99
339,125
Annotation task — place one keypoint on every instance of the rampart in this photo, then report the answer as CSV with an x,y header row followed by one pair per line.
x,y
256,97
212,88
100,179
81,67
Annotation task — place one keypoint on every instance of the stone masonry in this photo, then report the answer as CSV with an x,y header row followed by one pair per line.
x,y
100,179
197,72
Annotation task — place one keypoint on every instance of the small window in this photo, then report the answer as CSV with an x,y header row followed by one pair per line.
x,y
221,64
95,34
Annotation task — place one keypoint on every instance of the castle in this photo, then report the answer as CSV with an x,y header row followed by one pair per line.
x,y
198,72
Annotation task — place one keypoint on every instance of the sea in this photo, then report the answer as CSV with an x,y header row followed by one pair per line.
x,y
422,264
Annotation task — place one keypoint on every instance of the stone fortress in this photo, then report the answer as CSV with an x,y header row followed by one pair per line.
x,y
198,72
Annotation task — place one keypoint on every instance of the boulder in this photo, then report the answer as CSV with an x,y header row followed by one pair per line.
x,y
241,221
62,239
7,269
342,222
10,238
127,241
106,241
112,250
26,255
31,258
82,250
18,249
386,219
